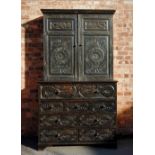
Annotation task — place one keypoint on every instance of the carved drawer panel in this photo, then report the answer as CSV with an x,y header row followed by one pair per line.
x,y
56,91
52,107
78,90
58,135
103,106
76,106
104,120
96,135
90,106
58,120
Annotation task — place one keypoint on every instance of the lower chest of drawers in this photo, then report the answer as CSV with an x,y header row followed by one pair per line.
x,y
88,118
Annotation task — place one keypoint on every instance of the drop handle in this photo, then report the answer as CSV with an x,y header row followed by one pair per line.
x,y
74,46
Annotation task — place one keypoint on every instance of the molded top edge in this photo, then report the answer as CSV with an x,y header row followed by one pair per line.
x,y
46,11
106,81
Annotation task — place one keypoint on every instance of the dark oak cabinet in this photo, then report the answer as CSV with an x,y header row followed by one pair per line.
x,y
78,96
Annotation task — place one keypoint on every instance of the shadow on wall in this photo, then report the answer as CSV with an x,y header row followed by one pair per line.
x,y
33,72
125,122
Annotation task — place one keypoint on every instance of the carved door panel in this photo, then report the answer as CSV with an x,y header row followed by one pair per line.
x,y
95,47
60,35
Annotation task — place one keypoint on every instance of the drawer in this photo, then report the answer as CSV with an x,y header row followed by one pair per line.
x,y
58,136
96,135
58,121
89,106
56,106
97,120
84,120
77,90
51,106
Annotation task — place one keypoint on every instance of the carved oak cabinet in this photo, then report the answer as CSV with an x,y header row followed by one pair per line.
x,y
78,96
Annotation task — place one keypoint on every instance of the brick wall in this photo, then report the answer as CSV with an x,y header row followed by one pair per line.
x,y
32,53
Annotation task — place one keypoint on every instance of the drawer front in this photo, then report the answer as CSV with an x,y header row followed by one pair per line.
x,y
51,106
77,106
58,120
83,120
97,120
96,135
58,136
90,106
78,90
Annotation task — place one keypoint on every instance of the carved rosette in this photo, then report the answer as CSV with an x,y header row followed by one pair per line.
x,y
107,90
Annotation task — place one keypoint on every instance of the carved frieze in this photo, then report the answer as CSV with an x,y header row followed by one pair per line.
x,y
96,24
60,25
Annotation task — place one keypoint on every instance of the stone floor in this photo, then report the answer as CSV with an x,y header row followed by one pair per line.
x,y
124,147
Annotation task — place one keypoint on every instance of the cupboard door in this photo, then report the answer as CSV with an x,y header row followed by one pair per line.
x,y
60,36
95,46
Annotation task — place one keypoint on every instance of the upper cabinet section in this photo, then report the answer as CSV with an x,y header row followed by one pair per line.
x,y
78,45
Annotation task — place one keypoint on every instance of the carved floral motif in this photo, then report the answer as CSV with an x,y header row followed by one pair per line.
x,y
55,136
60,25
60,55
77,90
58,120
96,55
96,25
96,135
